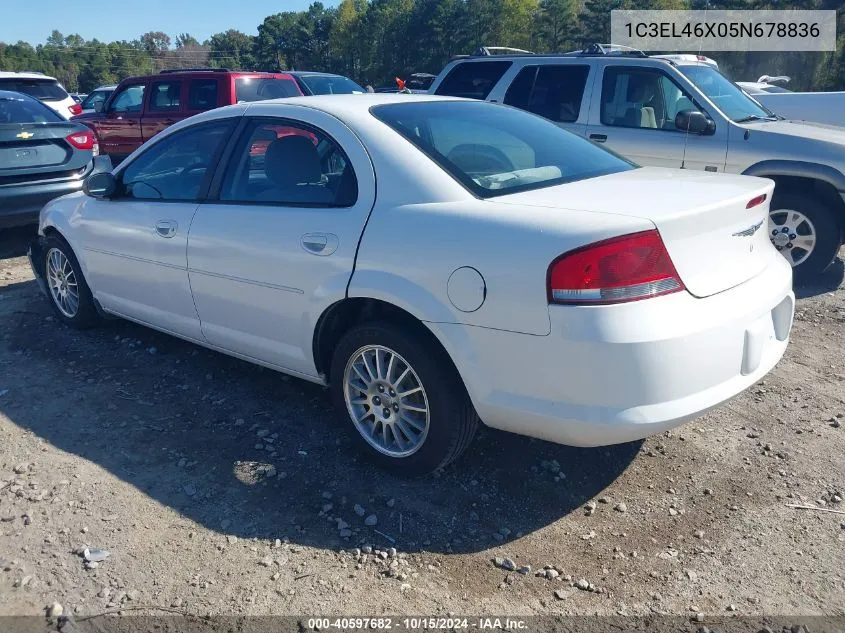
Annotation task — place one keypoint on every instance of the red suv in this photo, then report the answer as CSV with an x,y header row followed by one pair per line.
x,y
141,107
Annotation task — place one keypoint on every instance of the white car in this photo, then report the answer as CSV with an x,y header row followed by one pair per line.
x,y
435,261
46,89
815,107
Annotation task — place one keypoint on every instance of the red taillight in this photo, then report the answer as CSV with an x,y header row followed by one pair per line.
x,y
626,268
82,140
755,201
75,109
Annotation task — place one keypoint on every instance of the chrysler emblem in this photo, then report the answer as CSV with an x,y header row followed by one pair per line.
x,y
751,230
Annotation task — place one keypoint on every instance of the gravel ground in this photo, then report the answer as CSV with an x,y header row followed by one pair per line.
x,y
217,487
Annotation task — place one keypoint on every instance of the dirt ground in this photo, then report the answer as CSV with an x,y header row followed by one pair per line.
x,y
221,488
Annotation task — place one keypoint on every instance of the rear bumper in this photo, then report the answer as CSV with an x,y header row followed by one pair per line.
x,y
20,203
612,374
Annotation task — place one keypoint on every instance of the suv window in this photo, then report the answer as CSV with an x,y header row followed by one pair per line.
x,y
473,80
128,99
44,89
552,91
260,88
174,168
642,98
165,96
282,162
203,94
98,96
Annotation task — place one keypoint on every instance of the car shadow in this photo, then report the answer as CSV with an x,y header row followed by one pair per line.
x,y
14,241
252,453
830,280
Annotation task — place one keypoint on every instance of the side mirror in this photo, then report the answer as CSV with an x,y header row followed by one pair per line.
x,y
100,185
99,106
694,122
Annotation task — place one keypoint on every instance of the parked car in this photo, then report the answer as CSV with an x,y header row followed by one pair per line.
x,y
313,83
42,156
98,95
434,261
141,107
46,89
815,107
78,96
683,113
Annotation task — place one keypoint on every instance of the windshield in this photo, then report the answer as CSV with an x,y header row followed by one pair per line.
x,y
98,96
21,110
495,150
727,96
330,85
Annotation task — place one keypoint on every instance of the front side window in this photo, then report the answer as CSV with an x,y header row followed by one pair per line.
x,y
129,99
175,167
725,95
330,85
472,80
642,98
494,150
203,94
261,88
165,96
286,163
552,91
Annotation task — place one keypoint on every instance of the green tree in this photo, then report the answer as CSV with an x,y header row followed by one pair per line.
x,y
232,49
556,25
595,21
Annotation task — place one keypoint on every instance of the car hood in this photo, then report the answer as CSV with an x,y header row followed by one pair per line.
x,y
804,130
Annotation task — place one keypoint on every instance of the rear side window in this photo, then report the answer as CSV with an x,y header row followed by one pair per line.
x,y
285,163
552,91
203,94
20,110
260,88
45,89
473,80
165,96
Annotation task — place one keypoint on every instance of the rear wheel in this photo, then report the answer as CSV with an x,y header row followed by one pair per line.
x,y
403,399
69,292
804,231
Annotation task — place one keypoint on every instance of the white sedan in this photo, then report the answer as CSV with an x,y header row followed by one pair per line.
x,y
437,262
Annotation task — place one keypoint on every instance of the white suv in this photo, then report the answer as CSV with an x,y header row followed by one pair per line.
x,y
46,89
679,112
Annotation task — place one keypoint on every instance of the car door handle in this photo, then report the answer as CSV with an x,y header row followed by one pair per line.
x,y
166,228
319,243
598,138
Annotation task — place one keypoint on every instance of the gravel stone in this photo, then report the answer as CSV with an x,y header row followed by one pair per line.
x,y
359,510
371,521
620,507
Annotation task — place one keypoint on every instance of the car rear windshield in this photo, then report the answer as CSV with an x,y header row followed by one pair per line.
x,y
261,88
44,89
495,150
22,110
330,85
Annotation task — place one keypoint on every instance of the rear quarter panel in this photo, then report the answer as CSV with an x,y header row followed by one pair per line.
x,y
409,252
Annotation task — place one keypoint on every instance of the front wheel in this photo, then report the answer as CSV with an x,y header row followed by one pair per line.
x,y
402,398
69,292
804,231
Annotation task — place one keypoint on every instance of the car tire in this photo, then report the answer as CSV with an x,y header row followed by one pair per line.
x,y
817,220
449,422
68,291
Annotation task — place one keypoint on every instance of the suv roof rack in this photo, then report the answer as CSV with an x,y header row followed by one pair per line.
x,y
607,49
486,51
168,71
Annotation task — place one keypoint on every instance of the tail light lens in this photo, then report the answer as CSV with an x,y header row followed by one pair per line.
x,y
756,201
82,140
626,268
75,109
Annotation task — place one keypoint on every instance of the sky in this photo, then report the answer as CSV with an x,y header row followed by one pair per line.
x,y
108,20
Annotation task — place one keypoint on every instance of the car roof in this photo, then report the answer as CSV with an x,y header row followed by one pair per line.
x,y
8,74
109,87
311,73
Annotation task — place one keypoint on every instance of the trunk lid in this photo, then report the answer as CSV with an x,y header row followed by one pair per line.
x,y
715,242
37,147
